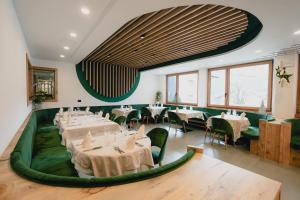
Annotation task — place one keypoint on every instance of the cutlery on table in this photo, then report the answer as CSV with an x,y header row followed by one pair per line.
x,y
94,148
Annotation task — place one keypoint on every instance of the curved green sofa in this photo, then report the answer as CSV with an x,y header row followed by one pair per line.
x,y
295,135
39,156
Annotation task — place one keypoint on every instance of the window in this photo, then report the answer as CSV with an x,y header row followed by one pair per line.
x,y
241,86
182,88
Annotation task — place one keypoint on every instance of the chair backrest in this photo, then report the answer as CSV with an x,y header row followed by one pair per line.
x,y
159,137
112,116
145,112
221,124
206,115
295,125
174,118
163,112
135,114
120,120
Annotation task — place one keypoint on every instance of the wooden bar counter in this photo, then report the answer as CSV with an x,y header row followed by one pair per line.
x,y
200,178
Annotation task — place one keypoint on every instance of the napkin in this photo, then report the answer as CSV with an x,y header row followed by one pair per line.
x,y
71,109
177,109
122,106
222,115
162,105
130,142
100,113
191,108
87,141
141,132
107,116
61,110
243,115
87,109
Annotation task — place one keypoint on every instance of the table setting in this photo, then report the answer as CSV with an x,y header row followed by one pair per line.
x,y
122,111
186,114
112,153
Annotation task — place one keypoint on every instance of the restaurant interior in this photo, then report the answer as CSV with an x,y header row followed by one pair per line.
x,y
150,99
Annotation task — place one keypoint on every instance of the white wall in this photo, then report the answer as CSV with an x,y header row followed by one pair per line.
x,y
284,96
13,101
70,89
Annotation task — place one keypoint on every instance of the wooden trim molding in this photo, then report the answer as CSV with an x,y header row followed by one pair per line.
x,y
227,85
297,115
177,88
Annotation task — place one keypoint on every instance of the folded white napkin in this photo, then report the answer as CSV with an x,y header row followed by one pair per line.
x,y
107,116
222,115
177,109
162,105
71,109
141,132
130,142
61,110
122,106
243,115
191,108
87,109
87,141
100,113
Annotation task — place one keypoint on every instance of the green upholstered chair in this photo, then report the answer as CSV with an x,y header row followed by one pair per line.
x,y
175,120
112,117
221,128
295,135
120,120
203,124
158,137
146,114
161,117
132,118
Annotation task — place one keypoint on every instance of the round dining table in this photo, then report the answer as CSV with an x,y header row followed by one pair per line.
x,y
110,155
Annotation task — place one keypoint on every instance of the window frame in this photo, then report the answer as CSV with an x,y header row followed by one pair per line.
x,y
227,85
177,88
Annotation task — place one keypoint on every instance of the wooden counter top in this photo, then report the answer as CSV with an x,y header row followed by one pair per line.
x,y
200,178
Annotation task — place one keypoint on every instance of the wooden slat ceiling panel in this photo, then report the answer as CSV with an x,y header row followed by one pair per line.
x,y
170,34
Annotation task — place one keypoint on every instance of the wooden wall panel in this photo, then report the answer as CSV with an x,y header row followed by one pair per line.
x,y
109,80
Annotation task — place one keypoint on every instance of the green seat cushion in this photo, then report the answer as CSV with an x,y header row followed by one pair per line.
x,y
155,156
219,131
47,139
55,160
251,133
295,142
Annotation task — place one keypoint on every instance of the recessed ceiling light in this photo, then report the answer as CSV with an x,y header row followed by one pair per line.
x,y
73,35
66,48
258,51
143,36
62,56
85,10
297,32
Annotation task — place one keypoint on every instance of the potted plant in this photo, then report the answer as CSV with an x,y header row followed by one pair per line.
x,y
38,98
158,96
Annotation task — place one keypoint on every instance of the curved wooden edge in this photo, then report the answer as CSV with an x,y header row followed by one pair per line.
x,y
197,149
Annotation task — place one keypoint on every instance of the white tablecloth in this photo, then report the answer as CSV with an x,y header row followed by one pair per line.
x,y
155,110
121,111
59,116
237,123
107,161
187,114
79,126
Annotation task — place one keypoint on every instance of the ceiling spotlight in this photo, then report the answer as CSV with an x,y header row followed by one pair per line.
x,y
62,56
85,11
66,48
143,36
258,51
297,32
73,35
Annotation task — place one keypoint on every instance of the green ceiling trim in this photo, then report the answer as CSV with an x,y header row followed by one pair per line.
x,y
92,92
252,31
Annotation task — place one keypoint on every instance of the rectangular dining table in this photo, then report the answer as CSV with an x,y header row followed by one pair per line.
x,y
185,114
121,111
79,126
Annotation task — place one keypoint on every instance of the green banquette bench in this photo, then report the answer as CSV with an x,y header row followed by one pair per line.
x,y
39,156
295,133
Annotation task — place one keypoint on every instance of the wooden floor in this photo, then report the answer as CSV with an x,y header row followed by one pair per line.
x,y
202,177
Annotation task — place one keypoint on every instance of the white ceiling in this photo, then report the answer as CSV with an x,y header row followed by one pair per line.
x,y
47,24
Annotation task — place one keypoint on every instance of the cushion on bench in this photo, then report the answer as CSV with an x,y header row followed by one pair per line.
x,y
251,133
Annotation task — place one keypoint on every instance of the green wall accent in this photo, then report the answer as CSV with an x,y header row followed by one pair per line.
x,y
252,31
92,92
